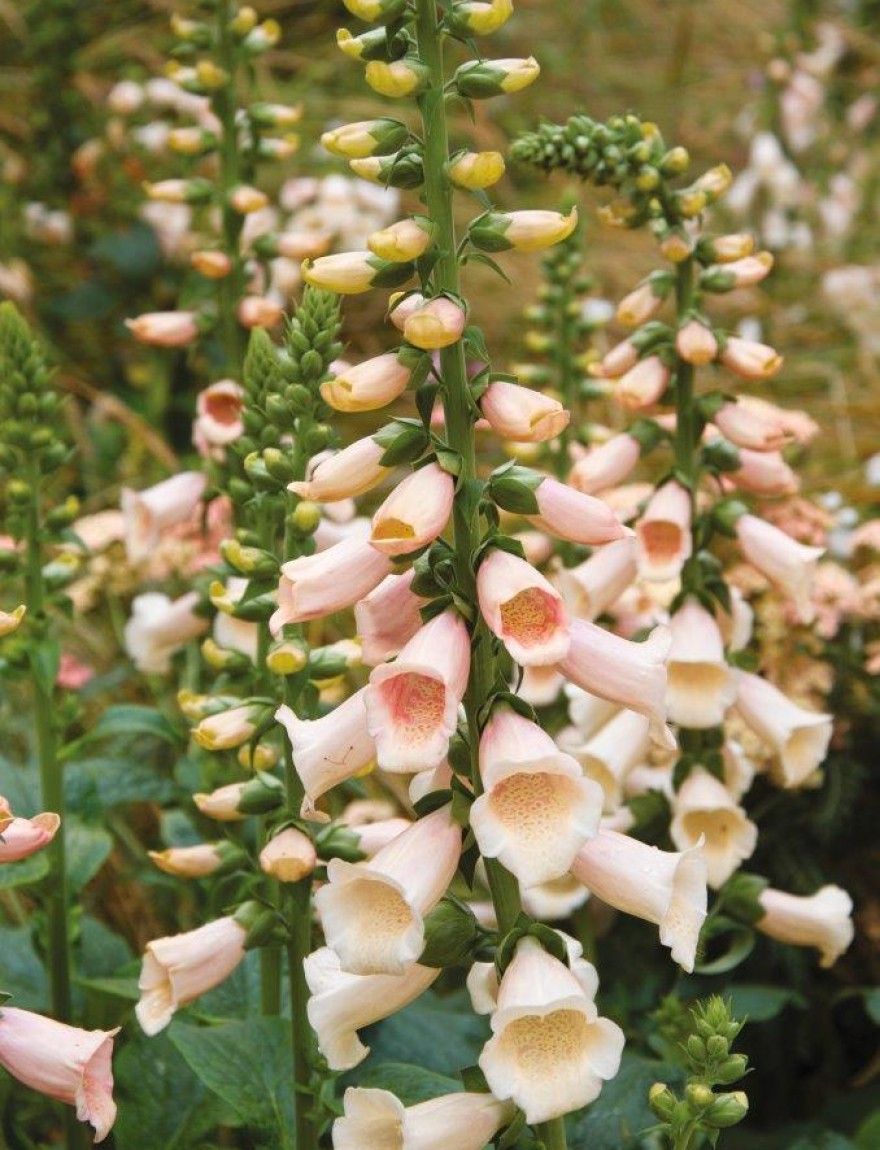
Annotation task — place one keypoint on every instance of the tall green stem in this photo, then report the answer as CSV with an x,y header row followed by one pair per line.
x,y
51,777
686,429
552,1134
459,418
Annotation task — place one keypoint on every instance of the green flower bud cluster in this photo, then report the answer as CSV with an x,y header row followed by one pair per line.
x,y
631,157
706,1050
31,427
284,413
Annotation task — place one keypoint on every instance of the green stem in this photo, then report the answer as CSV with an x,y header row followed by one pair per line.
x,y
685,424
459,416
51,777
552,1134
567,377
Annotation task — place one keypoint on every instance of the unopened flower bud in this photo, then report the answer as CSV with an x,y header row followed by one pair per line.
x,y
527,231
696,343
366,138
224,658
213,265
244,21
232,803
375,9
258,311
749,359
731,1069
676,248
191,141
197,707
405,77
403,169
481,79
349,273
248,560
738,273
645,301
662,1101
164,328
275,115
696,1048
699,1096
287,656
245,199
195,191
263,37
199,861
228,729
479,17
11,620
288,856
259,758
725,249
371,45
714,183
211,76
438,323
406,240
727,1110
476,170
305,517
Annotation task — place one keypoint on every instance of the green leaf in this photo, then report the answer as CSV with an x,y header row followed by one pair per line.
x,y
438,1032
246,1064
867,1136
411,1084
21,970
110,782
88,848
620,1113
130,719
20,786
871,999
162,1103
761,1003
25,872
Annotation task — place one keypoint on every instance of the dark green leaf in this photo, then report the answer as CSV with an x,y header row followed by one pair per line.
x,y
758,1003
620,1113
130,719
411,1084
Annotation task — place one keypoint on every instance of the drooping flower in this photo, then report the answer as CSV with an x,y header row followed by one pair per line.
x,y
523,609
822,920
786,563
159,628
377,1120
569,514
373,912
412,703
63,1062
594,585
605,465
799,737
320,584
388,617
705,813
148,513
521,414
20,838
662,887
664,533
345,474
700,685
611,752
414,513
537,810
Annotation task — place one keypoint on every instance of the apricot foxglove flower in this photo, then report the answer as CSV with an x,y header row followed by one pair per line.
x,y
749,359
218,419
179,968
788,564
405,240
705,812
20,838
798,737
642,303
197,861
643,385
148,513
159,628
412,704
662,887
522,414
345,474
822,920
388,617
523,609
594,585
700,684
329,750
366,138
434,323
524,231
610,753
341,1004
415,512
476,170
748,428
696,343
373,912
764,473
377,1120
630,674
664,533
63,1062
288,856
569,514
349,273
550,1052
11,620
537,809
320,584
164,328
370,385
605,465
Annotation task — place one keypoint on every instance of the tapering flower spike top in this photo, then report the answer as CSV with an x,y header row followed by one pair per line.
x,y
372,912
549,1052
537,809
412,703
523,609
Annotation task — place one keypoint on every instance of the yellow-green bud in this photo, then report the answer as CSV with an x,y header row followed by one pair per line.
x,y
699,1096
287,656
476,170
244,21
727,1110
305,517
405,77
366,138
661,1100
481,79
480,17
371,10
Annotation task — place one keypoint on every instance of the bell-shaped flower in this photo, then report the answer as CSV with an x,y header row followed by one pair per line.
x,y
341,1004
594,585
705,813
764,473
328,581
605,465
329,750
388,617
662,887
288,856
643,385
588,712
179,968
700,685
611,752
630,674
159,628
148,513
218,421
569,514
642,304
664,534
696,343
521,414
412,704
197,861
523,609
72,1066
540,685
415,512
377,1120
164,328
555,900
799,737
368,386
20,838
373,912
371,837
345,474
788,564
823,920
537,810
750,429
549,1052
749,359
